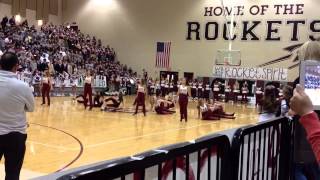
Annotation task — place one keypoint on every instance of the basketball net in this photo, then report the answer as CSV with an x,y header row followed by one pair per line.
x,y
227,60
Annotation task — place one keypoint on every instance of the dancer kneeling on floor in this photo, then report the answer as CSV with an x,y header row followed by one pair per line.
x,y
97,99
164,106
213,112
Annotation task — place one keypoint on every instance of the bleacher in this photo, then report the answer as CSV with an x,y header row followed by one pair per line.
x,y
261,151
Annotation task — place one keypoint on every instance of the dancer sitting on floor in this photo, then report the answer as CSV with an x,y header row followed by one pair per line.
x,y
213,112
164,106
116,101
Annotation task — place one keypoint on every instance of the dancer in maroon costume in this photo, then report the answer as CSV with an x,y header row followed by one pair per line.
x,y
164,106
213,112
88,90
140,99
183,93
46,86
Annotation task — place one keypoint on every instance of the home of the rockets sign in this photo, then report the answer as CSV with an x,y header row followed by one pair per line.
x,y
214,30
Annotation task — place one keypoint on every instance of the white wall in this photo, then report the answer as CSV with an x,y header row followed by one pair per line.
x,y
5,10
133,27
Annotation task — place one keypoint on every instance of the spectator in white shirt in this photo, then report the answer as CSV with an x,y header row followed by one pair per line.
x,y
16,99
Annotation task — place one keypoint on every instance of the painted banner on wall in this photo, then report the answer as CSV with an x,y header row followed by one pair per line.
x,y
250,73
236,17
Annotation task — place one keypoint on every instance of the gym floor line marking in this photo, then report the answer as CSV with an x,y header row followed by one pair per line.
x,y
146,135
74,137
53,146
113,141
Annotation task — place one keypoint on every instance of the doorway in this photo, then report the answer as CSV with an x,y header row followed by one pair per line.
x,y
188,76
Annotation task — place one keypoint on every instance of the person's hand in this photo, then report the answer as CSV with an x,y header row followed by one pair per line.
x,y
300,103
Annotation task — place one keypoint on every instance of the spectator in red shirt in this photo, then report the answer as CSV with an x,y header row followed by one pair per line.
x,y
301,104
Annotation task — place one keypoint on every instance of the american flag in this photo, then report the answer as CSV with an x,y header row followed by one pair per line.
x,y
163,54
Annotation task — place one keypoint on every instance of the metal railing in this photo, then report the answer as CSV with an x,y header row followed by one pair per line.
x,y
259,152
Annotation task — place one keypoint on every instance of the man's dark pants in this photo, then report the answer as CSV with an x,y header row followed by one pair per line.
x,y
13,147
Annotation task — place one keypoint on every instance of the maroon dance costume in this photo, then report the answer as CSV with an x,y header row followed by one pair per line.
x,y
87,92
183,102
216,114
162,109
140,100
45,90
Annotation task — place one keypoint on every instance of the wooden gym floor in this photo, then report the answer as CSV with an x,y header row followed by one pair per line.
x,y
65,135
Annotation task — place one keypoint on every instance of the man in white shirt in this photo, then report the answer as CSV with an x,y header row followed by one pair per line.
x,y
15,100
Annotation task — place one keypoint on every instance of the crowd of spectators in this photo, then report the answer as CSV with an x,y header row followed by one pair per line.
x,y
63,50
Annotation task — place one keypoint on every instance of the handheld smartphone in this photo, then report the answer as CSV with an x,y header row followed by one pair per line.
x,y
310,80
